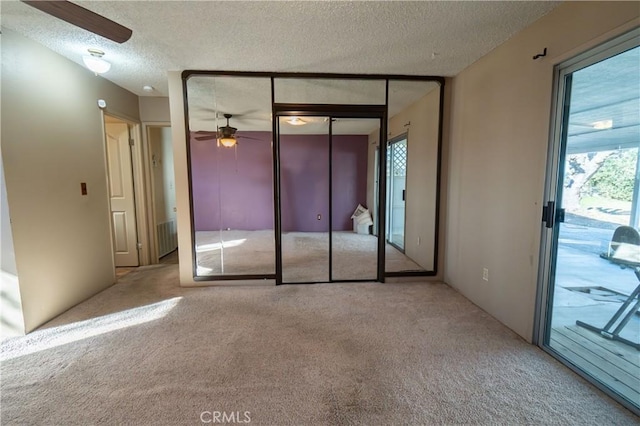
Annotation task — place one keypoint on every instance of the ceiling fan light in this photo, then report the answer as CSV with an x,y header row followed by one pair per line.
x,y
228,142
96,64
296,121
602,125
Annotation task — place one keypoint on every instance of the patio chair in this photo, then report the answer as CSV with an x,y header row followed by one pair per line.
x,y
621,236
624,250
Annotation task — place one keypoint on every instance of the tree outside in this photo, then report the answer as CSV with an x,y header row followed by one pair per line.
x,y
599,185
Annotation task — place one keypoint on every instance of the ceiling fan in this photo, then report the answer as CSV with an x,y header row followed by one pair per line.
x,y
226,135
83,18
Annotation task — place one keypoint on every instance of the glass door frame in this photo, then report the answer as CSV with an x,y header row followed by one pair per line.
x,y
390,191
550,229
331,111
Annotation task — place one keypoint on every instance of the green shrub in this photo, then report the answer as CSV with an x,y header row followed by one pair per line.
x,y
616,177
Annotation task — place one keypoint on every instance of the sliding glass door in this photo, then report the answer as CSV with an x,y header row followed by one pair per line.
x,y
325,224
396,187
591,250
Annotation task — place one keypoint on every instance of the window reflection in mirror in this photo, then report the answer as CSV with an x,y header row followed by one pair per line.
x,y
411,175
231,175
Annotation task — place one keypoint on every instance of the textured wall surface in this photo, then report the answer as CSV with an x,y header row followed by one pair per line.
x,y
235,189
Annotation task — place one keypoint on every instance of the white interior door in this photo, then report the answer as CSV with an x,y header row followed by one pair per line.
x,y
122,201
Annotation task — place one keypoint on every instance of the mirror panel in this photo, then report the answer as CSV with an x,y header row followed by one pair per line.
x,y
232,187
304,199
329,91
354,247
412,175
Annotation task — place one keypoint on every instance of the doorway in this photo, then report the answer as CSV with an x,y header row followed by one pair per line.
x,y
122,202
590,276
325,228
163,195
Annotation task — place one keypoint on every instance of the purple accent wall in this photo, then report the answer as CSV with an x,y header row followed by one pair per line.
x,y
246,192
350,158
244,187
304,183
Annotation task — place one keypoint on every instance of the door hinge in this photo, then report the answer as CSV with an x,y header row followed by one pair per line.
x,y
131,142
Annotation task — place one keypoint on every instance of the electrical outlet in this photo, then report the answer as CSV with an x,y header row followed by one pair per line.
x,y
419,240
319,217
485,274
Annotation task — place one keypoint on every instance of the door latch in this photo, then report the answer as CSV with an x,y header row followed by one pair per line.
x,y
551,215
547,215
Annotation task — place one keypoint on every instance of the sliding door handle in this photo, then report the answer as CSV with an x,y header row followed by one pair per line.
x,y
551,215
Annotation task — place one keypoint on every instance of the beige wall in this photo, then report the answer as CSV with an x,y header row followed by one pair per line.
x,y
154,109
161,148
52,140
500,111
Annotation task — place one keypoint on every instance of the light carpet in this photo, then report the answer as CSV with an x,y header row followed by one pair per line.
x,y
305,255
148,352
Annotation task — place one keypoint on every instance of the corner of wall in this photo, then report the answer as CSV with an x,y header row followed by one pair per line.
x,y
181,170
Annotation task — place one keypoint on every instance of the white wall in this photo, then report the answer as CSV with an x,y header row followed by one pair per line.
x,y
53,139
499,125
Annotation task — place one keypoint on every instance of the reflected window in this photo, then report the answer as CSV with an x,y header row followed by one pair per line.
x,y
412,146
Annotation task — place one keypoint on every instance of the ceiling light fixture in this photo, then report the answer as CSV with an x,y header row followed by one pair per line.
x,y
296,121
147,88
228,141
94,61
602,125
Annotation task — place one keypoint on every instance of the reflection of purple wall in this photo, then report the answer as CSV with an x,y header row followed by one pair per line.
x,y
246,192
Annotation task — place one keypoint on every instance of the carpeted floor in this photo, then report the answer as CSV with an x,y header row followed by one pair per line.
x,y
305,255
148,352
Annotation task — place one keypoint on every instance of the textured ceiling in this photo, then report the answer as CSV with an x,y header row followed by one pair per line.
x,y
391,37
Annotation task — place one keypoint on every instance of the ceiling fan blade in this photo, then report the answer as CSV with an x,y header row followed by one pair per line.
x,y
248,137
205,138
83,18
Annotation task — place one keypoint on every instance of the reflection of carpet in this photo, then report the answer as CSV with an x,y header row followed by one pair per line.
x,y
305,255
